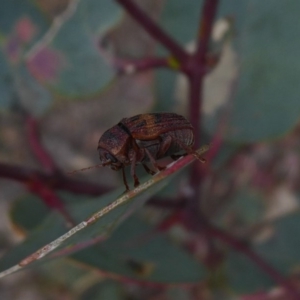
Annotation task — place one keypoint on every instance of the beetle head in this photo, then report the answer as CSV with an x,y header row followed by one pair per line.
x,y
107,159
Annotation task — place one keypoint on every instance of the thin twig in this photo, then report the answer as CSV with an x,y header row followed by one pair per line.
x,y
154,30
195,97
198,65
36,146
51,199
132,66
205,29
196,70
126,66
55,181
61,182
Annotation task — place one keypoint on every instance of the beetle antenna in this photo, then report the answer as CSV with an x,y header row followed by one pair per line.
x,y
85,169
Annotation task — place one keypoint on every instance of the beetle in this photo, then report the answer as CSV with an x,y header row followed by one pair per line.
x,y
145,138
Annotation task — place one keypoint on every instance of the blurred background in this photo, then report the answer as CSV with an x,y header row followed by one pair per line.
x,y
66,77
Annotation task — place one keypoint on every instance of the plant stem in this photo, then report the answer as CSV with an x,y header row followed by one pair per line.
x,y
56,181
205,29
261,263
37,186
196,70
37,148
127,66
196,174
154,30
61,182
50,198
195,98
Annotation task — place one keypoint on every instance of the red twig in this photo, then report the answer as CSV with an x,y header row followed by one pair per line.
x,y
34,141
196,90
196,70
50,199
197,65
127,66
205,28
153,29
35,184
261,263
60,181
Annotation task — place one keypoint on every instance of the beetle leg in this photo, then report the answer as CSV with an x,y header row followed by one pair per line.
x,y
164,146
132,170
124,179
153,161
149,171
166,142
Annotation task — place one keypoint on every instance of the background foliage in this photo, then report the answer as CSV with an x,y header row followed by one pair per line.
x,y
72,69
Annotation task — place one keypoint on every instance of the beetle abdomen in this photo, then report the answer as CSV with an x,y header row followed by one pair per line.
x,y
184,136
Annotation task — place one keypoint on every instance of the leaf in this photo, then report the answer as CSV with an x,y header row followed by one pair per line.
x,y
264,51
181,19
32,96
105,217
65,273
72,64
108,290
280,250
243,276
19,90
246,208
227,151
265,104
177,293
129,252
64,57
164,88
21,25
6,85
54,225
28,212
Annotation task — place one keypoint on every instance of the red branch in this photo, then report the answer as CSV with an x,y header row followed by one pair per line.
x,y
127,66
37,148
50,198
197,66
153,29
205,28
196,70
55,181
62,182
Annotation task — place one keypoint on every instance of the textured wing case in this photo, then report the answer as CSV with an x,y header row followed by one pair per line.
x,y
150,126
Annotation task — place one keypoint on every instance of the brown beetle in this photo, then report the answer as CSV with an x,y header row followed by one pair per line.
x,y
144,138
